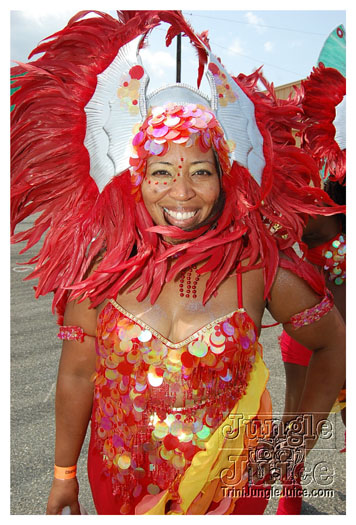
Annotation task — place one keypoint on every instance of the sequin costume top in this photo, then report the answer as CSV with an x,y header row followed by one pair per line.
x,y
146,442
147,424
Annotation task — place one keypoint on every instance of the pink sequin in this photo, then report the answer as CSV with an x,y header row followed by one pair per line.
x,y
225,93
335,259
146,435
71,333
181,125
311,315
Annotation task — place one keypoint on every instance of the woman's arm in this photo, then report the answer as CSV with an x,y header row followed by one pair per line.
x,y
74,397
326,337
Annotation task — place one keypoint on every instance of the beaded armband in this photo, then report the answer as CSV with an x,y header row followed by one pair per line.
x,y
331,256
311,315
335,260
71,333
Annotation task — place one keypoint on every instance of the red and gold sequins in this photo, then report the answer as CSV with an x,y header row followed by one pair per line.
x,y
335,259
225,92
141,377
311,315
129,89
71,333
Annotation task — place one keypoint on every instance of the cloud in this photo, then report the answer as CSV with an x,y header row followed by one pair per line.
x,y
157,61
236,48
268,46
255,21
28,28
42,17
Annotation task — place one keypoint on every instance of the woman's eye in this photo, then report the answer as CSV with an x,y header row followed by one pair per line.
x,y
202,172
161,173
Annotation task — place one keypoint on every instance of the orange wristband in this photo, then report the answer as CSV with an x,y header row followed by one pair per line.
x,y
65,472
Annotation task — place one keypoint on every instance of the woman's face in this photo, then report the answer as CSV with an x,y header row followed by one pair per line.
x,y
182,187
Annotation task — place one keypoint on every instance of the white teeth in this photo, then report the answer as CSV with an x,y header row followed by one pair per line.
x,y
179,215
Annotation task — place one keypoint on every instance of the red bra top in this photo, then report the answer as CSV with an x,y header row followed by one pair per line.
x,y
156,403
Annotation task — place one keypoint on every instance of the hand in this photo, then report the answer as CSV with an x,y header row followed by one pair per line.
x,y
64,493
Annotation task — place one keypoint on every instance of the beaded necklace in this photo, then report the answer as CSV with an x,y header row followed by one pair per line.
x,y
190,286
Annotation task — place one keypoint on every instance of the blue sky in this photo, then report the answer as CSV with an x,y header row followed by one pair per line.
x,y
285,42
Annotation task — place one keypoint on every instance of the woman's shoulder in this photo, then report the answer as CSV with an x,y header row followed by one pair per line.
x,y
290,294
80,312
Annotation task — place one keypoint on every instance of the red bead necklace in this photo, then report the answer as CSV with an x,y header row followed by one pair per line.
x,y
188,286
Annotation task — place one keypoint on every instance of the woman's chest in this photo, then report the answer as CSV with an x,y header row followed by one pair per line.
x,y
137,358
177,314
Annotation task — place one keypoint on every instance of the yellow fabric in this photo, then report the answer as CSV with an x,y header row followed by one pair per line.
x,y
340,402
337,407
200,480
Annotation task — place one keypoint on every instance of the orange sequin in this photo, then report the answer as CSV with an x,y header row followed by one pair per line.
x,y
144,438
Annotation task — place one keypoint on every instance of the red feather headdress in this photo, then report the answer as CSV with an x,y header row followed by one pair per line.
x,y
324,110
81,225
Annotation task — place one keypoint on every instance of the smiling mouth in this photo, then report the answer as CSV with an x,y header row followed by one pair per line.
x,y
180,215
182,219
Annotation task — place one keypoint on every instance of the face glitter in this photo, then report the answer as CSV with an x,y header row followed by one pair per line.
x,y
176,124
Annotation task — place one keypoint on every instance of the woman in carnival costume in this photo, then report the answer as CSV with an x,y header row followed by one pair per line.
x,y
169,221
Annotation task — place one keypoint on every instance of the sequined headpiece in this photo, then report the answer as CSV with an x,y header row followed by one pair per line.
x,y
177,124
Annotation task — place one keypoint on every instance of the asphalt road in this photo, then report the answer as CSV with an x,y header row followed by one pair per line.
x,y
35,352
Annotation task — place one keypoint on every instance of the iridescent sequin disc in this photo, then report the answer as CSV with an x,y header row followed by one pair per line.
x,y
123,461
157,405
198,348
145,336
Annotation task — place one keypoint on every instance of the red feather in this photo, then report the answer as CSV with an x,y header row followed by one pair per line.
x,y
50,177
324,89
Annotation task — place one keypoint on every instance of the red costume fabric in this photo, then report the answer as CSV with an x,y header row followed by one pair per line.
x,y
140,443
292,351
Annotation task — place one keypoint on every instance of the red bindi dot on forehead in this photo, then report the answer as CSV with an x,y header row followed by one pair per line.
x,y
182,159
